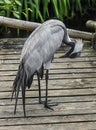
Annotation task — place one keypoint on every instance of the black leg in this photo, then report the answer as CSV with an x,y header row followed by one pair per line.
x,y
39,86
16,98
23,89
23,100
46,100
46,86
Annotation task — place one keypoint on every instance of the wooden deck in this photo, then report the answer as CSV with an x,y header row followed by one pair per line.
x,y
72,85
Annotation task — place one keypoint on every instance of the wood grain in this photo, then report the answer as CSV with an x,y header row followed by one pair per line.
x,y
72,85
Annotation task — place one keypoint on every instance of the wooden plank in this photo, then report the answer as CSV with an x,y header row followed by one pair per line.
x,y
53,71
54,93
86,71
17,56
59,100
61,119
15,60
64,83
61,50
63,126
57,76
72,85
55,66
5,46
38,110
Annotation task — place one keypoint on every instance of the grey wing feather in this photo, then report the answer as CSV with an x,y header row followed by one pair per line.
x,y
37,35
38,49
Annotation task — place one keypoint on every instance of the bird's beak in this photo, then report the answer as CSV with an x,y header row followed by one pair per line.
x,y
75,50
74,55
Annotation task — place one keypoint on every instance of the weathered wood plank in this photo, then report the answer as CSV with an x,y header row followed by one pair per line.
x,y
17,56
61,83
4,73
56,60
48,120
61,50
55,93
55,66
38,110
57,76
72,85
63,126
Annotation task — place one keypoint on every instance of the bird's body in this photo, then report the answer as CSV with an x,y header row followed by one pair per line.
x,y
38,51
42,45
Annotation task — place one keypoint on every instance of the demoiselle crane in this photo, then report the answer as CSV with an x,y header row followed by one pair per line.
x,y
38,51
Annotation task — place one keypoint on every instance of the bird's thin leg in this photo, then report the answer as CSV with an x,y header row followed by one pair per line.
x,y
16,97
39,87
23,100
23,89
46,100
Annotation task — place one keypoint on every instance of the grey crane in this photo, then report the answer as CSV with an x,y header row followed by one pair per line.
x,y
38,51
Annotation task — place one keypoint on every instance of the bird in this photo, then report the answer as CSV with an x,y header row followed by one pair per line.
x,y
38,53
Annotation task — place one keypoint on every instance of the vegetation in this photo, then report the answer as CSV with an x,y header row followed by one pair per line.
x,y
40,10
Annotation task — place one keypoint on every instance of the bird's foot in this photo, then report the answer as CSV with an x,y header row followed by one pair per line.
x,y
48,106
42,102
45,104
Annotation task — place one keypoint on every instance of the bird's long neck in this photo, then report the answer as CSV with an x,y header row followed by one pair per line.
x,y
72,45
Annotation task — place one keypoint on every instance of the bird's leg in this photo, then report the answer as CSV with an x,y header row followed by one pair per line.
x,y
46,100
39,86
23,100
16,98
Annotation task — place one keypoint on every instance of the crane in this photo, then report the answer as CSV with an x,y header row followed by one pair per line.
x,y
38,52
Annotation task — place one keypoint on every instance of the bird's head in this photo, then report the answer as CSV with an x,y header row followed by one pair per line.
x,y
76,48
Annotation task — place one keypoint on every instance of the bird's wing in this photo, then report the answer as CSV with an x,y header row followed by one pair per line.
x,y
38,49
48,40
38,34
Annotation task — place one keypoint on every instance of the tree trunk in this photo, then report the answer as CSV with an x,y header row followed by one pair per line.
x,y
26,25
91,24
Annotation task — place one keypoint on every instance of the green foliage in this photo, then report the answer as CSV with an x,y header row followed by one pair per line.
x,y
40,10
10,8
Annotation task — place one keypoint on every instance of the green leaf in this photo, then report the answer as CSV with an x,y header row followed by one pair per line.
x,y
2,2
33,10
56,8
18,2
26,9
7,1
15,8
26,16
65,8
38,13
79,6
45,8
30,10
16,14
2,13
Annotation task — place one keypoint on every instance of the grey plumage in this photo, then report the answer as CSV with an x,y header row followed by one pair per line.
x,y
38,51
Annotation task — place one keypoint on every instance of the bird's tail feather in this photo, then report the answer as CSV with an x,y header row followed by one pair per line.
x,y
30,80
41,71
17,81
20,81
